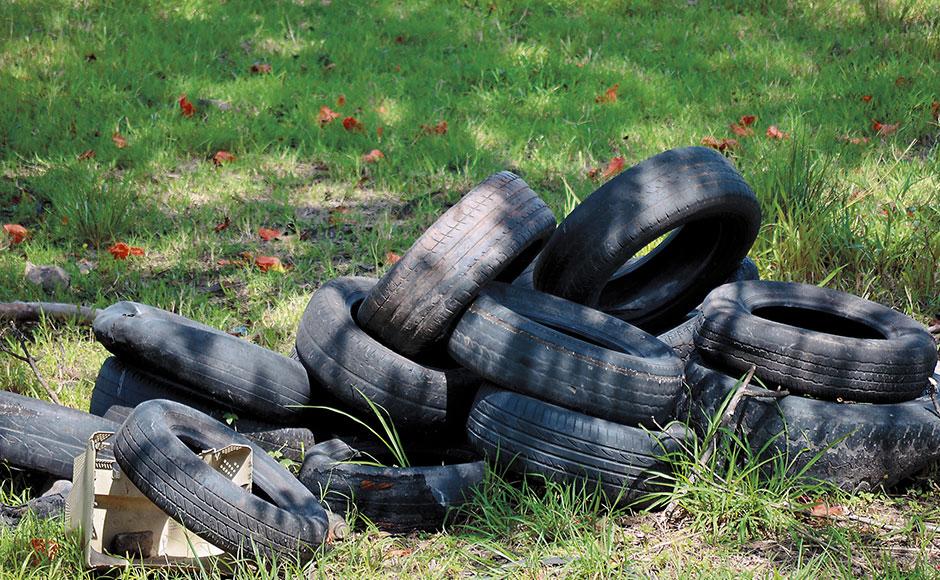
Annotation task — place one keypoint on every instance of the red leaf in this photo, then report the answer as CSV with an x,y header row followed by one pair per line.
x,y
260,68
352,124
373,156
614,166
121,251
221,156
16,232
340,100
327,115
439,129
721,145
741,130
87,154
119,141
379,131
267,234
391,258
223,225
609,96
186,107
774,133
884,129
266,263
866,98
748,120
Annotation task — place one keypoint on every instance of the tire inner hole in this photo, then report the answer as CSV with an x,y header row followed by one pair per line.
x,y
818,321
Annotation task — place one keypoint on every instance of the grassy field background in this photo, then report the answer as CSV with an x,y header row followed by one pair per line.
x,y
95,149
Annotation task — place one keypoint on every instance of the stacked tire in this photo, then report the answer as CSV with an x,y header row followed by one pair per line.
x,y
860,410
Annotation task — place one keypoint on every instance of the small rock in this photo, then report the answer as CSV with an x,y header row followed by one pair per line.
x,y
49,277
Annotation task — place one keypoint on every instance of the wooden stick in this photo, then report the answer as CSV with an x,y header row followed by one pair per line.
x,y
28,359
19,312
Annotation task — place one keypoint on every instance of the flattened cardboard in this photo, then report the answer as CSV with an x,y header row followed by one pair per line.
x,y
104,503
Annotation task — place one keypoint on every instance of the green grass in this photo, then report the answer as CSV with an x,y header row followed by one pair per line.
x,y
516,83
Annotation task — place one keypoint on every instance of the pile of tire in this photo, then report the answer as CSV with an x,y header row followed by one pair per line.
x,y
571,353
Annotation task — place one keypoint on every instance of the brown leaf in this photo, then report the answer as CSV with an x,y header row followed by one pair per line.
x,y
614,166
223,225
391,258
609,96
821,510
87,154
119,141
327,115
373,156
774,133
223,156
269,263
267,234
741,130
260,68
16,232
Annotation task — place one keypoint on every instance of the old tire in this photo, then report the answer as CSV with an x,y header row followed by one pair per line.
x,y
530,436
861,446
568,354
344,359
397,500
817,341
151,448
496,228
696,194
44,437
226,371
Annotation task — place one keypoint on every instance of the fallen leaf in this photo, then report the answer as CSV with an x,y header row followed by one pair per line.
x,y
268,234
821,510
854,140
935,110
398,553
340,100
438,129
748,120
373,156
121,251
221,156
400,39
885,129
609,96
352,124
741,130
379,131
119,141
721,145
223,225
43,548
327,115
391,258
16,232
774,133
187,108
866,98
268,263
260,68
614,166
902,81
336,214
86,154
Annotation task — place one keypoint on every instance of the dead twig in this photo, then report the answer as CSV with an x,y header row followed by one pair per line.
x,y
20,312
27,358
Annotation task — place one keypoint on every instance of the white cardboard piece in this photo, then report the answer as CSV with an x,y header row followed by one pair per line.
x,y
104,502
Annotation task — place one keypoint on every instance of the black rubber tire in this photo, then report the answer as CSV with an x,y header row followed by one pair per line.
x,y
120,387
526,435
845,347
568,354
880,444
151,449
397,500
495,229
695,189
45,437
226,371
345,360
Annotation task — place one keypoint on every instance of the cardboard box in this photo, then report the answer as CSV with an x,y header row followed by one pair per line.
x,y
111,514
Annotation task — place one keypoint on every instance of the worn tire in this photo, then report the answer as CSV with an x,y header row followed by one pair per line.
x,y
694,192
345,360
120,387
861,446
44,437
817,341
496,229
226,371
530,436
151,449
568,354
397,500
